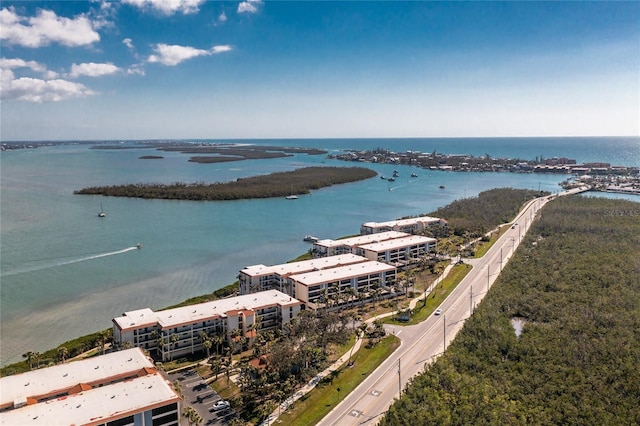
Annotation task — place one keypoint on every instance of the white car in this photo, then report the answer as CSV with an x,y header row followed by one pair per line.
x,y
221,405
438,311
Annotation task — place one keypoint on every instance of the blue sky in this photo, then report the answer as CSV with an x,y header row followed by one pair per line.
x,y
142,69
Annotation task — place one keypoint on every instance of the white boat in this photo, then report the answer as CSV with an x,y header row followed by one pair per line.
x,y
414,175
101,213
310,239
292,196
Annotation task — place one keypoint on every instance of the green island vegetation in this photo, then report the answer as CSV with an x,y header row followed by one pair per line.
x,y
573,287
151,157
281,184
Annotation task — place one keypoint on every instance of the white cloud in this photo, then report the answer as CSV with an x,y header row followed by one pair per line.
x,y
171,55
92,69
167,7
137,69
221,49
37,90
222,17
128,42
46,28
13,63
249,6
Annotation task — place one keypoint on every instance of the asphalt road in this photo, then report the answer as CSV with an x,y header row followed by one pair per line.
x,y
422,343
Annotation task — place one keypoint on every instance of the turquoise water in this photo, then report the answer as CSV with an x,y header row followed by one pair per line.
x,y
65,272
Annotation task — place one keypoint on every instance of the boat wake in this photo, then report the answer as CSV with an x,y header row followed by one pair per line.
x,y
50,264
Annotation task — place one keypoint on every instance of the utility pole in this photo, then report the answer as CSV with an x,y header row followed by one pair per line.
x,y
488,266
444,335
470,300
399,380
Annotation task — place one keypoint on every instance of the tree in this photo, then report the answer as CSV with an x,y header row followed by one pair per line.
x,y
63,352
173,339
206,342
30,356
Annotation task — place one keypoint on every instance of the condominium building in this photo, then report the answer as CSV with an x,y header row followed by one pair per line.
x,y
329,247
414,225
359,280
399,251
180,331
117,389
260,277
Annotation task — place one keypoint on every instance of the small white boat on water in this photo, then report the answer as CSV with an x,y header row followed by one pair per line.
x,y
310,239
291,196
101,213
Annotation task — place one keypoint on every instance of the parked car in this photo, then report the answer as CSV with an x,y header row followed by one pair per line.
x,y
438,311
221,405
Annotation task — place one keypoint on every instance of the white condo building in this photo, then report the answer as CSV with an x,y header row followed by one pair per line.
x,y
359,280
260,277
310,281
393,247
330,247
118,389
414,225
176,332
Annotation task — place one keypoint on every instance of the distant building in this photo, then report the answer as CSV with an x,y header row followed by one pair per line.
x,y
256,278
176,332
328,247
116,389
414,225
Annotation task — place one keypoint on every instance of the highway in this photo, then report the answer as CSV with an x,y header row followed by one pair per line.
x,y
422,343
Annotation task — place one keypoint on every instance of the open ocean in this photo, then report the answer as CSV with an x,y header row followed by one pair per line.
x,y
64,272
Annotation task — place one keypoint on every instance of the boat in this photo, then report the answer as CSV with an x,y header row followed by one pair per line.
x,y
414,175
310,239
291,196
138,246
382,177
391,179
101,213
441,186
395,173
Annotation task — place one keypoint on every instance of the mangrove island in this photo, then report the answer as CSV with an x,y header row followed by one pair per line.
x,y
281,184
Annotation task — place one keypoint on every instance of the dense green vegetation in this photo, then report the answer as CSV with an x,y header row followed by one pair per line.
x,y
478,215
300,181
575,281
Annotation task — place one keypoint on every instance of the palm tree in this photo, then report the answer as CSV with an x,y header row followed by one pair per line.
x,y
63,352
206,342
217,340
173,339
30,356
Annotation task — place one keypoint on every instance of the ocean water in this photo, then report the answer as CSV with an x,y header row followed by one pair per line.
x,y
64,272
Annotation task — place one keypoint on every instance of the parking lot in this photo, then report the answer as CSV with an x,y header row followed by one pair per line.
x,y
201,397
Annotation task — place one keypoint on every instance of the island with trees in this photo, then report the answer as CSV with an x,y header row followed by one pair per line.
x,y
281,184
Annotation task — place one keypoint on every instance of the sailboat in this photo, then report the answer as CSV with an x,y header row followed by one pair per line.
x,y
292,196
101,213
